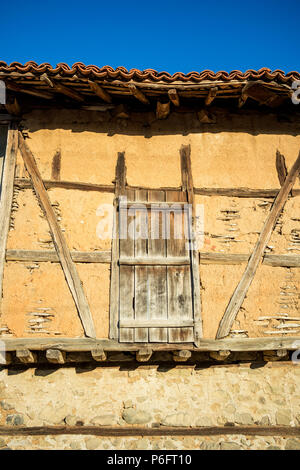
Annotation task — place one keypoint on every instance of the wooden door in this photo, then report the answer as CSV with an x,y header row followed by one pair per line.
x,y
155,268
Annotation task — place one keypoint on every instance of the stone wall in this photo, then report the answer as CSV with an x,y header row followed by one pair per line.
x,y
152,397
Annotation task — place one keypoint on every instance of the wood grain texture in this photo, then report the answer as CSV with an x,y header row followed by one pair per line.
x,y
256,257
6,195
63,253
120,182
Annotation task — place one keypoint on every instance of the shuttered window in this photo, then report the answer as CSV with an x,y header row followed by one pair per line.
x,y
155,269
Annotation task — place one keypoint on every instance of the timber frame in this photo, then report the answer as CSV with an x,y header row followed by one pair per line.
x,y
29,90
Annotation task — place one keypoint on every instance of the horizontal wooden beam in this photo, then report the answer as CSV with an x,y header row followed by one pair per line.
x,y
29,91
148,261
40,256
118,431
88,344
26,183
110,188
153,323
51,256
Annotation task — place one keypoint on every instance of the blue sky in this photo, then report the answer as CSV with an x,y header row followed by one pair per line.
x,y
164,35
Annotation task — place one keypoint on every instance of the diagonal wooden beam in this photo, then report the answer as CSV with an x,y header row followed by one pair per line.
x,y
256,258
57,87
99,91
174,97
281,167
63,252
6,195
211,95
138,93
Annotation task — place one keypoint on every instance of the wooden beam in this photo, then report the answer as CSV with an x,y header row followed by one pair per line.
x,y
148,261
162,110
144,355
121,111
174,97
120,184
98,355
107,188
26,356
139,95
205,345
40,94
290,261
55,356
57,87
256,257
99,91
67,264
219,356
188,186
241,192
212,93
153,323
6,195
182,355
121,431
52,256
206,118
281,167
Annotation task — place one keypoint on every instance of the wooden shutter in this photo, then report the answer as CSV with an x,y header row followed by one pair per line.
x,y
155,274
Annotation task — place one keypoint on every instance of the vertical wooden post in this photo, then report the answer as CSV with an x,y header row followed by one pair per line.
x,y
6,195
188,186
120,183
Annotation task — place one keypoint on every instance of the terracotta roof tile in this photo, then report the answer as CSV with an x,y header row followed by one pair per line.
x,y
121,73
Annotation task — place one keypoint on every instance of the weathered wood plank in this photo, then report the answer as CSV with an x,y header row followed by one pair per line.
x,y
67,264
156,323
55,356
157,275
256,257
187,182
26,183
141,280
120,182
292,261
178,278
126,301
6,195
87,344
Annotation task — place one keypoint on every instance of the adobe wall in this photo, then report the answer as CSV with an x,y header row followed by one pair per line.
x,y
238,151
259,395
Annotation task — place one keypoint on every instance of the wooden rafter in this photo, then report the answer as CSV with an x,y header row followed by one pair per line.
x,y
19,89
211,95
139,95
57,87
99,91
241,290
162,110
174,97
6,195
62,250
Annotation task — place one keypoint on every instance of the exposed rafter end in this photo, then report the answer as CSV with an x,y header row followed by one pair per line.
x,y
277,355
162,110
55,356
206,118
182,355
242,100
174,97
219,355
26,356
59,88
211,96
99,91
144,355
121,111
40,94
139,95
99,355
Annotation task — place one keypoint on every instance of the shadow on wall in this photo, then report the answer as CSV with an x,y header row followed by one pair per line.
x,y
178,122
